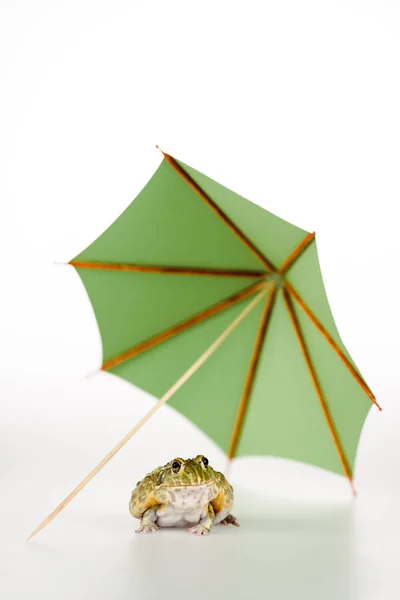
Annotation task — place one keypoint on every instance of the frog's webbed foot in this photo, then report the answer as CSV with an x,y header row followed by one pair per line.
x,y
199,530
147,528
230,520
205,524
148,520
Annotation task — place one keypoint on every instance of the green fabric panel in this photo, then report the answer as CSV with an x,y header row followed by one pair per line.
x,y
284,417
306,277
210,398
132,307
169,224
347,402
275,237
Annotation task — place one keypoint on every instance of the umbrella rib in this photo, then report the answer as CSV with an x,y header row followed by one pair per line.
x,y
221,214
291,259
296,296
176,329
261,332
181,381
136,268
317,386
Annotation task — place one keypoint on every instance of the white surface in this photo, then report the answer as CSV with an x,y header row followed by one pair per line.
x,y
294,105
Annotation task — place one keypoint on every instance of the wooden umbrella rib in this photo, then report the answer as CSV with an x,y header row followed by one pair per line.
x,y
176,329
296,296
158,269
221,214
261,332
317,386
291,259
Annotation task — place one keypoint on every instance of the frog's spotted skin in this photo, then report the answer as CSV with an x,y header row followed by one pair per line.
x,y
183,493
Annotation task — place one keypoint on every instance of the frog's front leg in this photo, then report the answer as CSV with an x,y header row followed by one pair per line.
x,y
148,520
205,523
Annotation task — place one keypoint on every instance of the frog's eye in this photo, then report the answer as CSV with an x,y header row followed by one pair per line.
x,y
176,466
205,461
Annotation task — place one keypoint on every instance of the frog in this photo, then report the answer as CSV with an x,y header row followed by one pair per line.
x,y
183,493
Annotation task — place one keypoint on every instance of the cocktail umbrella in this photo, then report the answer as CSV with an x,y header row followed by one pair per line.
x,y
208,301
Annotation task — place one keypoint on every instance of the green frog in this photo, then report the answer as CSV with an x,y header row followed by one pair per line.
x,y
183,493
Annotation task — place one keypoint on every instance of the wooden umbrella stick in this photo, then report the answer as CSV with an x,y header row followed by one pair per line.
x,y
318,389
199,362
195,186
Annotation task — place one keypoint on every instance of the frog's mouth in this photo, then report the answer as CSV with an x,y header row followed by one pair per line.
x,y
201,484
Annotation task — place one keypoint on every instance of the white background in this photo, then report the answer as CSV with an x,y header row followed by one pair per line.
x,y
295,105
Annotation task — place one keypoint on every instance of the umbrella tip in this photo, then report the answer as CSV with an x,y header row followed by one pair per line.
x,y
374,400
158,148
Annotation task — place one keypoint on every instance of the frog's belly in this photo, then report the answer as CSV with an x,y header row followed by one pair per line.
x,y
171,518
184,505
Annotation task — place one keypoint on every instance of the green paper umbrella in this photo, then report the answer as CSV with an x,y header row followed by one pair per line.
x,y
184,261
175,269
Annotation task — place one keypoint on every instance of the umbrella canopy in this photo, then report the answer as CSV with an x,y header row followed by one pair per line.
x,y
169,276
